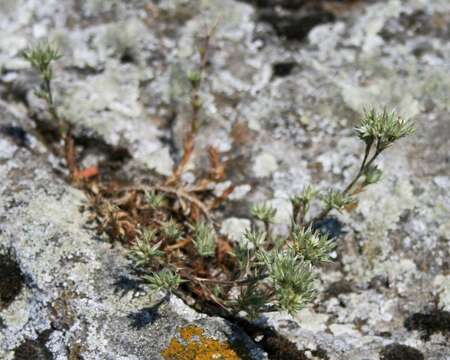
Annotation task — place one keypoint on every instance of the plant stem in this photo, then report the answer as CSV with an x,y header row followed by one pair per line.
x,y
233,282
361,169
301,215
51,105
364,165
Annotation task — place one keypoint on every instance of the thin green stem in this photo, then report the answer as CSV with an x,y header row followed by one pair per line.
x,y
364,164
234,282
361,169
51,105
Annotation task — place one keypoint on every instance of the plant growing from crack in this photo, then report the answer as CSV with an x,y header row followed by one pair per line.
x,y
273,273
172,232
287,263
378,131
41,58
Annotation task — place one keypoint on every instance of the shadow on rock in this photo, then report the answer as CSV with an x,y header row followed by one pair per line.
x,y
400,352
11,280
145,316
429,323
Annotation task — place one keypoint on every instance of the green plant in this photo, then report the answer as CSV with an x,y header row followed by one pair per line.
x,y
164,279
264,213
266,272
171,230
41,58
261,273
291,279
144,251
337,200
313,246
378,131
204,239
155,200
301,203
279,271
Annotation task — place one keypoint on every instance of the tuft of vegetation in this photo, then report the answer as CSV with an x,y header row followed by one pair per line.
x,y
264,213
41,58
204,239
144,251
155,200
164,279
171,231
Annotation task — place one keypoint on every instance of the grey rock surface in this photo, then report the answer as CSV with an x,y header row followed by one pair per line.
x,y
282,112
73,294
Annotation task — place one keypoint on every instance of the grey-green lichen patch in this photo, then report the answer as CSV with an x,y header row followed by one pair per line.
x,y
108,104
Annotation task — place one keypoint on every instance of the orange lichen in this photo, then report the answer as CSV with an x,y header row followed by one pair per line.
x,y
196,346
188,332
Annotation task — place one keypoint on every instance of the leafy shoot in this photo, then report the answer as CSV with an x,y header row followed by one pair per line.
x,y
163,280
204,239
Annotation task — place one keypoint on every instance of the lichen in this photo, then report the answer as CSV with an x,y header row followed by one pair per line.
x,y
193,345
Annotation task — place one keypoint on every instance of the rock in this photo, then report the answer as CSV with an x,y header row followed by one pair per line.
x,y
123,84
240,192
312,321
234,228
65,293
265,164
343,329
442,285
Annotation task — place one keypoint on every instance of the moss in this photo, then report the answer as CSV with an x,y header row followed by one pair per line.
x,y
194,345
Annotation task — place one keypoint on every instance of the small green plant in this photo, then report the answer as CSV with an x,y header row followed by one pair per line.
x,y
264,213
41,58
291,279
261,273
255,237
301,203
313,246
145,250
204,239
378,131
171,230
337,200
163,280
381,130
278,273
270,273
155,200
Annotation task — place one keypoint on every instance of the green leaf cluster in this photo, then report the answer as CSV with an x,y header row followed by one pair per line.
x,y
164,280
143,251
383,128
204,239
41,57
